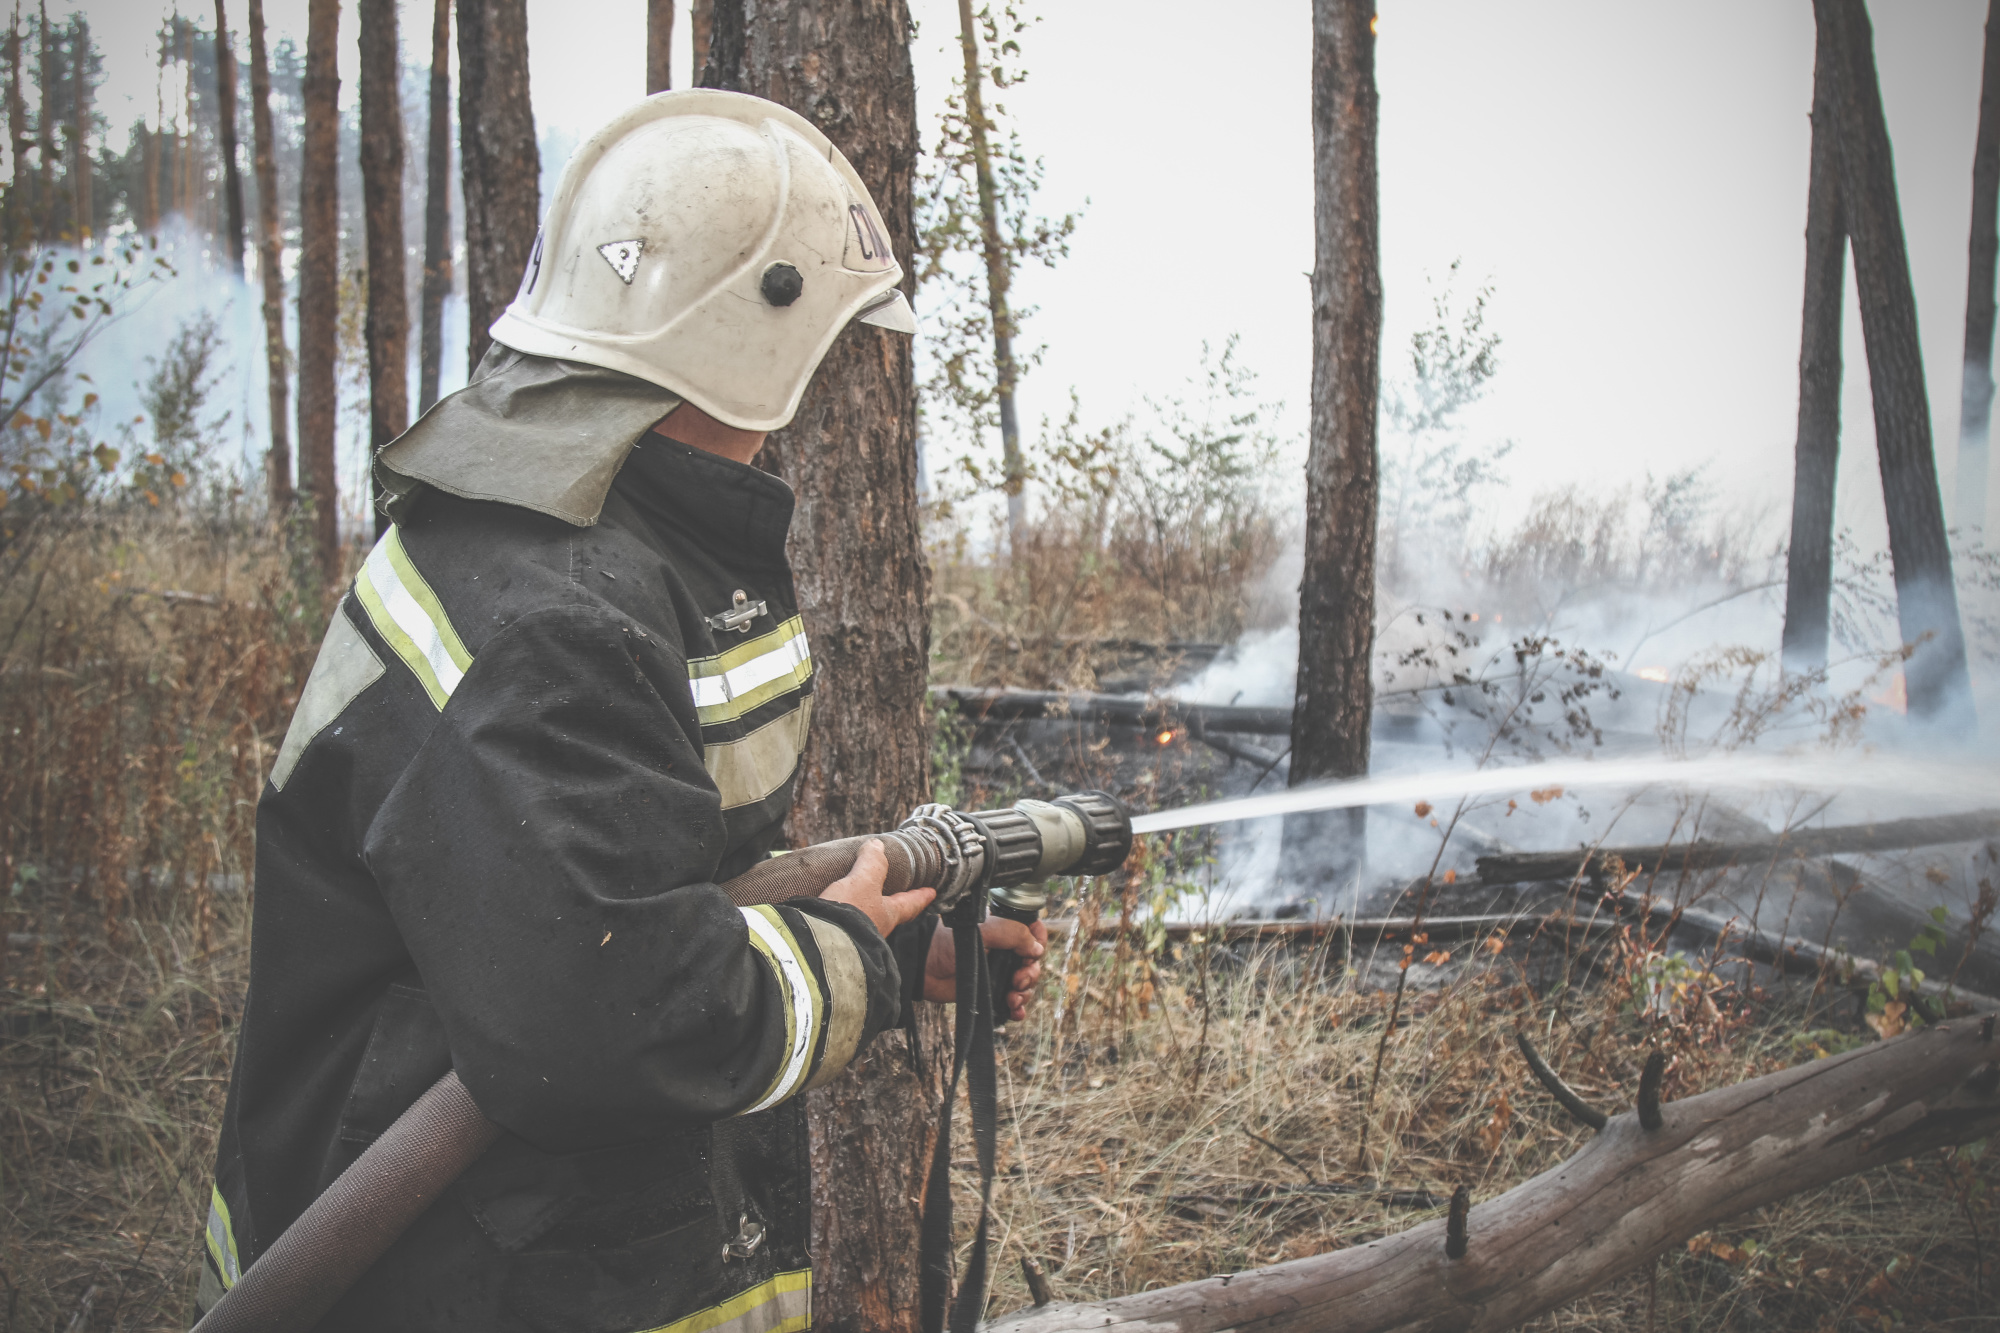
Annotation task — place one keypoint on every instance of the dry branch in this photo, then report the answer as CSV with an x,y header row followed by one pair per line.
x,y
1885,836
1627,1197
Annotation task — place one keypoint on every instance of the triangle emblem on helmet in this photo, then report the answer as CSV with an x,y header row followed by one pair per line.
x,y
623,256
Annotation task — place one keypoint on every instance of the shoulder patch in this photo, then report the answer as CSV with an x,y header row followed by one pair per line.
x,y
409,617
346,665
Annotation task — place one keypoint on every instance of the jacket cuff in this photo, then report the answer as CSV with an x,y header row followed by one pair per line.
x,y
859,982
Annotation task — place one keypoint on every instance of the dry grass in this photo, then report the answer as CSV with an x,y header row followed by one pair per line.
x,y
134,733
151,662
1181,1116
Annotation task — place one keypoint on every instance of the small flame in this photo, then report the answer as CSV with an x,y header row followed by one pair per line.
x,y
1375,23
1165,737
1658,674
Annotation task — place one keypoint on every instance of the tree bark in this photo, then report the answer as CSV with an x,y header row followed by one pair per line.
x,y
998,280
387,323
270,269
80,165
498,158
1816,455
1939,689
1975,410
46,227
1330,728
225,104
319,276
1629,1196
701,23
437,212
22,186
659,46
850,454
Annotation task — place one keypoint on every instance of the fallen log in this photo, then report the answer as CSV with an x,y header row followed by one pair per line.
x,y
1884,836
1630,1195
1120,710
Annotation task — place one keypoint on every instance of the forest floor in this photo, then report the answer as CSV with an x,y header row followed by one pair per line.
x,y
1166,1116
1207,1113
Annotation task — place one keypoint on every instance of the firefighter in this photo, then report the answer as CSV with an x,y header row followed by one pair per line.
x,y
565,697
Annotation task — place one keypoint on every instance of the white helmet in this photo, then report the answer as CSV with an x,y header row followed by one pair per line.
x,y
713,243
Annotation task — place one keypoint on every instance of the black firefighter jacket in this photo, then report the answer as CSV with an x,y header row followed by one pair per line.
x,y
491,840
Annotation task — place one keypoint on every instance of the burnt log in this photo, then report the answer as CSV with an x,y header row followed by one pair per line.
x,y
997,705
1627,1197
1884,836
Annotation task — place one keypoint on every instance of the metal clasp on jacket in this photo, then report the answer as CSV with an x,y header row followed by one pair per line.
x,y
749,1239
742,613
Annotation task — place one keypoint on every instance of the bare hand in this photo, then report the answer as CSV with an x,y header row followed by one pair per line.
x,y
862,888
1028,942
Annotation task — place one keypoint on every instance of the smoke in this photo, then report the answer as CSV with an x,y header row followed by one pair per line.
x,y
119,360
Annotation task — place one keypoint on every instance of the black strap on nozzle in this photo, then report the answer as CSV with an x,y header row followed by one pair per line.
x,y
972,1046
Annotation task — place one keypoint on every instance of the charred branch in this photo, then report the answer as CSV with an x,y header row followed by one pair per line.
x,y
1570,1099
1650,1079
1038,1281
1627,1197
1197,719
1885,836
1454,1223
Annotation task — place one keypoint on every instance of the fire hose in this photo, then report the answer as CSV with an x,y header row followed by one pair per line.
x,y
996,858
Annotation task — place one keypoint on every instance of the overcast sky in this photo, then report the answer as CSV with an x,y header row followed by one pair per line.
x,y
1631,180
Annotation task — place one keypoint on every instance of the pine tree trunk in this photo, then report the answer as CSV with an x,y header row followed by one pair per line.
x,y
437,212
19,223
1816,457
701,24
1330,726
498,158
851,456
387,323
659,46
225,105
1935,677
80,164
47,222
998,280
1975,409
319,276
270,269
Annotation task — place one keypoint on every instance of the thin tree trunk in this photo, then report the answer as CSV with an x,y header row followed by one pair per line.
x,y
1935,677
659,46
701,24
998,279
1975,410
184,144
437,212
1337,591
1816,457
387,323
850,454
319,277
45,186
270,268
154,138
18,223
498,158
80,164
225,106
